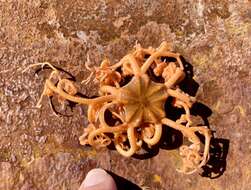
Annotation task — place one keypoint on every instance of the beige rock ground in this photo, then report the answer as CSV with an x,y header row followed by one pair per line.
x,y
39,151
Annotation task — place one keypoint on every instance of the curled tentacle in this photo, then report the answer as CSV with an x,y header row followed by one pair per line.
x,y
133,147
158,54
175,78
192,160
75,99
100,131
93,112
181,96
187,115
152,134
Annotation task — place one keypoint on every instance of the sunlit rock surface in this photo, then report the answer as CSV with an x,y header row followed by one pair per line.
x,y
39,151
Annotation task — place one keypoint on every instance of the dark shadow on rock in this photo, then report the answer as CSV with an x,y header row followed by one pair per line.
x,y
70,76
203,111
188,85
216,165
148,152
122,183
171,139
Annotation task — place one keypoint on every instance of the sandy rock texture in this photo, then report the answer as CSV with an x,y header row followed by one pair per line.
x,y
39,151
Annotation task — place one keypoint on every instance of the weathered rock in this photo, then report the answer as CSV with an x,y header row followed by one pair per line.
x,y
40,151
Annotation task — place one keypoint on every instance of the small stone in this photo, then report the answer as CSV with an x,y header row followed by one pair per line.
x,y
13,158
42,139
82,36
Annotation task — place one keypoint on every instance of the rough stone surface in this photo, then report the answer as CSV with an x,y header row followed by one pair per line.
x,y
40,151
